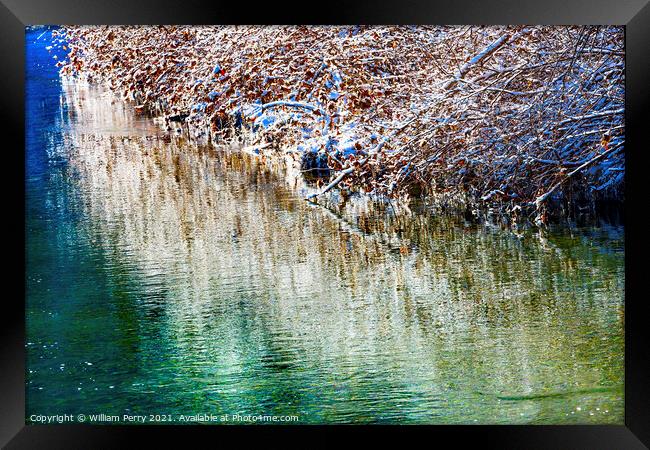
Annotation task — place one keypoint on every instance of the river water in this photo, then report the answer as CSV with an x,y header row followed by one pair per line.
x,y
165,277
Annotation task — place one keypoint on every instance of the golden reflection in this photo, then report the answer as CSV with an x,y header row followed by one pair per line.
x,y
427,307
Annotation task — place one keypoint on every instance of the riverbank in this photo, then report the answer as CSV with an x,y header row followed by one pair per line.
x,y
527,122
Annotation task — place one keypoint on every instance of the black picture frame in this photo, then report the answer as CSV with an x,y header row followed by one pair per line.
x,y
16,14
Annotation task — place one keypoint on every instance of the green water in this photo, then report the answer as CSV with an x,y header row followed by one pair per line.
x,y
168,278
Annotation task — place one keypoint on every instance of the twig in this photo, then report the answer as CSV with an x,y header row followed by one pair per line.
x,y
542,198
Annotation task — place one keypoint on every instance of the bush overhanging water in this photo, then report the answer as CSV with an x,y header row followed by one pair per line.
x,y
514,118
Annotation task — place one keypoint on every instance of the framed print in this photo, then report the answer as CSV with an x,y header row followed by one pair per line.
x,y
378,215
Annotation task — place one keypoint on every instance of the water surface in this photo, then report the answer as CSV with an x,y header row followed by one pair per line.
x,y
165,277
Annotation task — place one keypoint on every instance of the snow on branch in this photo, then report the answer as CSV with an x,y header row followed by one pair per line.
x,y
490,115
487,51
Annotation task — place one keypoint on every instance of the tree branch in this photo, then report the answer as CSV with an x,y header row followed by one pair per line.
x,y
542,198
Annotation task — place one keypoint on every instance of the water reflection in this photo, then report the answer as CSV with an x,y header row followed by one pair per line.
x,y
185,279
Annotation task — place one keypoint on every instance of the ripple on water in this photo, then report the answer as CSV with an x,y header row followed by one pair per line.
x,y
195,278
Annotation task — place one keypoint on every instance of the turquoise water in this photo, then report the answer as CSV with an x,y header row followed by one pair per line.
x,y
168,278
